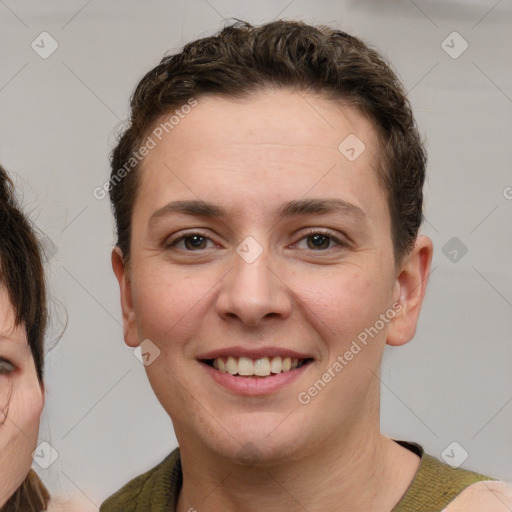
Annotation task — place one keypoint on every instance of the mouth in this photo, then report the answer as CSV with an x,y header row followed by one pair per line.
x,y
262,367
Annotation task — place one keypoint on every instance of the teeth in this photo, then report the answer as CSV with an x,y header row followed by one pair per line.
x,y
276,365
262,367
231,365
245,366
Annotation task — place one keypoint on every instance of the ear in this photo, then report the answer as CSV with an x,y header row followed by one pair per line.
x,y
410,287
125,287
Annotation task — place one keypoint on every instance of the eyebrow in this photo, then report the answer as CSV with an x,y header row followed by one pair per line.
x,y
199,208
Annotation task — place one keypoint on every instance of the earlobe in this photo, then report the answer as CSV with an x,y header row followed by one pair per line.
x,y
125,289
410,287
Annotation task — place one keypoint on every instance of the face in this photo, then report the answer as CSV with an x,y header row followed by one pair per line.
x,y
258,245
21,401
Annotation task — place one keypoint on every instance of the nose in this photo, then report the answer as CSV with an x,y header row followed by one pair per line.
x,y
253,291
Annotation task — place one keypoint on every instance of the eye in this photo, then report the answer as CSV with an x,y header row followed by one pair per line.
x,y
190,242
319,240
6,367
316,240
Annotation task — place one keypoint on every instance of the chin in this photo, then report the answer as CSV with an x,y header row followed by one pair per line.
x,y
258,444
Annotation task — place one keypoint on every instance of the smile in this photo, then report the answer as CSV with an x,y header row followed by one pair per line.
x,y
260,367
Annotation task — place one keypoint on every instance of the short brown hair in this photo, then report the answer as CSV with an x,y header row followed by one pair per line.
x,y
242,59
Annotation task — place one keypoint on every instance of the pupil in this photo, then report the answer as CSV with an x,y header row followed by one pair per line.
x,y
319,240
195,241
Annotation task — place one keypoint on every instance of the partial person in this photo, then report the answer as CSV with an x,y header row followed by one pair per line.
x,y
23,320
268,195
23,317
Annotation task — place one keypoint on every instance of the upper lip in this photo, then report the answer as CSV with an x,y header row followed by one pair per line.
x,y
254,353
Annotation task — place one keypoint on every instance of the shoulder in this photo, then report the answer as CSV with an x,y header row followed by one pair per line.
x,y
440,486
158,485
71,504
485,496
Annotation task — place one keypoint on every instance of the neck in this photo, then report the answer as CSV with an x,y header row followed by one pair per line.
x,y
359,471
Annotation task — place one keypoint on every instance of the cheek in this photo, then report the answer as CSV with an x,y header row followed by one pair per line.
x,y
19,433
25,410
342,304
168,304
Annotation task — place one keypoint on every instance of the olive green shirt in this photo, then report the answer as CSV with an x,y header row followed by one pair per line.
x,y
434,486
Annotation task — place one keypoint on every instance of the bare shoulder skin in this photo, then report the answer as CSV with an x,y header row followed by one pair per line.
x,y
71,504
484,496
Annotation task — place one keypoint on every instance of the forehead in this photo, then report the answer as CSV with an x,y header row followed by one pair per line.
x,y
7,313
277,145
10,333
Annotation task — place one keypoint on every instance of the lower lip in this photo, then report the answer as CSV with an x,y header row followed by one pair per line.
x,y
255,386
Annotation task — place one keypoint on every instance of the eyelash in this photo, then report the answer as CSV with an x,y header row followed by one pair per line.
x,y
310,232
10,366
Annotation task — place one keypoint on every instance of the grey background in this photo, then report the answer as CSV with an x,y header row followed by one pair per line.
x,y
57,123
